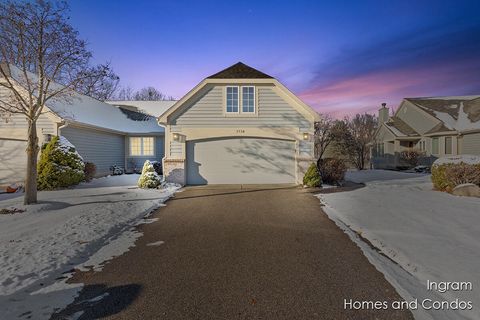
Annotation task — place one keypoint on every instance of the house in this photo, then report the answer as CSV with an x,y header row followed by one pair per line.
x,y
238,126
436,126
102,133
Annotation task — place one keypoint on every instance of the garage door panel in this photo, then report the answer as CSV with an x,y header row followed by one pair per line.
x,y
245,161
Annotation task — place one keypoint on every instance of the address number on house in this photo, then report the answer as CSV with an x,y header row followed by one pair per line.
x,y
240,131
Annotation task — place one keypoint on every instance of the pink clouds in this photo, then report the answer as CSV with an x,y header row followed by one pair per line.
x,y
365,93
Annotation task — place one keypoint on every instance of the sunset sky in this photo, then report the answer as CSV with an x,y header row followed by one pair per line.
x,y
340,57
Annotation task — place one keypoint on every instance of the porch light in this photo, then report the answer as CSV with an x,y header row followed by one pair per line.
x,y
306,135
176,137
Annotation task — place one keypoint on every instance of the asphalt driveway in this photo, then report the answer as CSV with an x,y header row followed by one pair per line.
x,y
237,253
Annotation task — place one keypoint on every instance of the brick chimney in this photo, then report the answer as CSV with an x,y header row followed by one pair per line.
x,y
383,113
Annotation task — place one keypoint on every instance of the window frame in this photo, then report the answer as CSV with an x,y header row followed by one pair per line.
x,y
142,149
254,98
451,145
238,100
437,139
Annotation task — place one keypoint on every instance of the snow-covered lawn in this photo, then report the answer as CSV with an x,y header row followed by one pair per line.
x,y
429,235
76,228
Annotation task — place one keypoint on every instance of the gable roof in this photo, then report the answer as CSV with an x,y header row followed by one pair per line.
x,y
239,71
458,113
82,109
400,127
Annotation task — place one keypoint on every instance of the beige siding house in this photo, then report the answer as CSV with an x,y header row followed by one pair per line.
x,y
436,126
104,134
238,126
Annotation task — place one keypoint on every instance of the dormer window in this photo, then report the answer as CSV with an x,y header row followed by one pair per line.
x,y
232,99
243,96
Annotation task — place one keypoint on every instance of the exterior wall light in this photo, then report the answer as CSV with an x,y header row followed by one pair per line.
x,y
306,136
176,137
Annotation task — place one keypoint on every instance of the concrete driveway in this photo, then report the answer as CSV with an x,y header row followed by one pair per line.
x,y
233,252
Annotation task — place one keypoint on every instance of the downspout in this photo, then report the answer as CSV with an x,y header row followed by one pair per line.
x,y
63,125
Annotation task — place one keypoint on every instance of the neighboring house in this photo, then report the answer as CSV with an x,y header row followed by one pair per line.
x,y
103,134
436,126
238,126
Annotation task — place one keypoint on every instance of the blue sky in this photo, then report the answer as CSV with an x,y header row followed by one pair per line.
x,y
341,57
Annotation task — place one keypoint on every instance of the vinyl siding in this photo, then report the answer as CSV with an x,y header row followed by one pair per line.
x,y
13,159
102,148
471,144
417,119
272,111
18,122
137,162
176,149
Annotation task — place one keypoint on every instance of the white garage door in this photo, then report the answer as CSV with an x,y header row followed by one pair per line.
x,y
13,161
240,161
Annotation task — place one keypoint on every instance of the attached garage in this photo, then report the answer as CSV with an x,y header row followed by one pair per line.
x,y
240,161
238,126
13,161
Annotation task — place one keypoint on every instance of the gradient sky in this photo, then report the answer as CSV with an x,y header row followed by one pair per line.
x,y
340,57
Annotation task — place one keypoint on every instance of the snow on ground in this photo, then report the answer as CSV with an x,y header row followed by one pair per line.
x,y
430,235
76,228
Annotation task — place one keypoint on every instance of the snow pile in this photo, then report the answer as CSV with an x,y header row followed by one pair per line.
x,y
468,159
76,228
460,124
430,235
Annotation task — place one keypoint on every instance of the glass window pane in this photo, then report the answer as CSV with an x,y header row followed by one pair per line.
x,y
135,146
148,146
448,145
232,99
435,145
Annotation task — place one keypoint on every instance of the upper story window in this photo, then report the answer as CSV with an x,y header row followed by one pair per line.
x,y
232,99
240,99
141,146
248,99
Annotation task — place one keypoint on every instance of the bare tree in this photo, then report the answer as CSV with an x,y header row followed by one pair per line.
x,y
150,94
355,138
42,59
326,133
103,85
145,94
125,93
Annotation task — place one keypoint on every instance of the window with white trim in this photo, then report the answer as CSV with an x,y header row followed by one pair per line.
x,y
141,146
248,99
232,100
434,145
448,145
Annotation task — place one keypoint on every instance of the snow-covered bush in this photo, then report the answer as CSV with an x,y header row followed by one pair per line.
x,y
60,165
447,173
149,178
332,170
157,165
312,177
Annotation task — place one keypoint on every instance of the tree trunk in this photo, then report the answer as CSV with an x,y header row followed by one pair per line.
x,y
31,174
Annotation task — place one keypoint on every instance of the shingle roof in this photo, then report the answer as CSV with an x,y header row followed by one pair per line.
x,y
239,71
401,126
456,113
